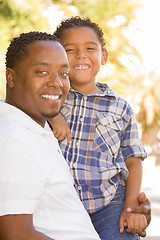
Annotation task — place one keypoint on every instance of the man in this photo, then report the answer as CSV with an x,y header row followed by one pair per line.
x,y
37,196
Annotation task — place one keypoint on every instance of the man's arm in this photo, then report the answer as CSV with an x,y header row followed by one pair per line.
x,y
18,227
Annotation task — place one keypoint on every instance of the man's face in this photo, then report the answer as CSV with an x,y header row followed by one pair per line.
x,y
39,84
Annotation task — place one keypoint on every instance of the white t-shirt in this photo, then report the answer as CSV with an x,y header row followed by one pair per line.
x,y
35,179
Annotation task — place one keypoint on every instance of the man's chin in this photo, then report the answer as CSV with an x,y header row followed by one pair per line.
x,y
49,116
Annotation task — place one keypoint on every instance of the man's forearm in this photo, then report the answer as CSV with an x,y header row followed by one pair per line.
x,y
33,235
18,227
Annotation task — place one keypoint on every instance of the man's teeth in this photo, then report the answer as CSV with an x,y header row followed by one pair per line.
x,y
50,97
82,67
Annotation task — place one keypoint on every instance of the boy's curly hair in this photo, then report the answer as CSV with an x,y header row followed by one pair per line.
x,y
80,22
17,49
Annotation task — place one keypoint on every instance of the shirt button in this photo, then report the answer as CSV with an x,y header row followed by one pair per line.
x,y
79,187
81,120
78,144
85,97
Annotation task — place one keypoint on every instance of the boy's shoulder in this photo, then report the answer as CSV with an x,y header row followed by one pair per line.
x,y
107,91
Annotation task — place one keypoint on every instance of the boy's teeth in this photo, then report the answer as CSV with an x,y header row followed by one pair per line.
x,y
50,97
81,67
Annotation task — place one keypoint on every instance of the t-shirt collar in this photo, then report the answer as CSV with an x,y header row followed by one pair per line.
x,y
21,117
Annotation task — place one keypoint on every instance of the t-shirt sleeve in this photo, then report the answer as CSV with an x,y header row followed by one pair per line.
x,y
21,177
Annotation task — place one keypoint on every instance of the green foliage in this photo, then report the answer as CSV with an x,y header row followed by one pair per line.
x,y
113,16
17,17
20,16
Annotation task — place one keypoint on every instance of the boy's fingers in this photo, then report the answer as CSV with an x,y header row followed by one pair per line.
x,y
60,138
58,135
121,225
69,137
142,233
142,209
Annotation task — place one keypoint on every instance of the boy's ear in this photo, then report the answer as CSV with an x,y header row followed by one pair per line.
x,y
10,77
104,56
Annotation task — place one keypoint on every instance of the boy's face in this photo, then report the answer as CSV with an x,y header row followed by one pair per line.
x,y
39,84
84,54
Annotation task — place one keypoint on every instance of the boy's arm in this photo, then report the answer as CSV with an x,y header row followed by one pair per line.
x,y
60,128
133,185
144,206
18,227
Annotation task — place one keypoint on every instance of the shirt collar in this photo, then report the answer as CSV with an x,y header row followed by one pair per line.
x,y
105,91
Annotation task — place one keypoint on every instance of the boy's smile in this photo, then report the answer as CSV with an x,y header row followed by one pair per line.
x,y
85,56
81,67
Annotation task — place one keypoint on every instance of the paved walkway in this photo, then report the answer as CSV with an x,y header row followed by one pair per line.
x,y
151,186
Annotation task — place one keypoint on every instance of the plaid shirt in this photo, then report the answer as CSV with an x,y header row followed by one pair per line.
x,y
104,133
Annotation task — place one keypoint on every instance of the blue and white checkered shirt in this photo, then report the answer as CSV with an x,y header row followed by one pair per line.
x,y
104,133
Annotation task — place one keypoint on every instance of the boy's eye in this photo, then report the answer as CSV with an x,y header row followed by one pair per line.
x,y
70,50
91,48
64,74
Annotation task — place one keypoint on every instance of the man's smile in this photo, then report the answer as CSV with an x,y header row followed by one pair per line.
x,y
50,97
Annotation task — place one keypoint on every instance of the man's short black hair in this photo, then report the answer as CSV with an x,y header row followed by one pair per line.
x,y
80,22
17,48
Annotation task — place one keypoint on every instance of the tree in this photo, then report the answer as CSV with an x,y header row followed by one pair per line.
x,y
112,15
17,17
149,103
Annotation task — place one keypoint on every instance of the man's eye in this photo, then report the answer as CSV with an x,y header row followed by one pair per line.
x,y
42,72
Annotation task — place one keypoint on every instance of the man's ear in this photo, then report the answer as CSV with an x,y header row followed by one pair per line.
x,y
104,56
10,77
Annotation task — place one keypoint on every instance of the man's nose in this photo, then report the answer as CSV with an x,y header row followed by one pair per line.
x,y
55,81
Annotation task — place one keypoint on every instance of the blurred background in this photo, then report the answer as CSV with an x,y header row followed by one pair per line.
x,y
132,34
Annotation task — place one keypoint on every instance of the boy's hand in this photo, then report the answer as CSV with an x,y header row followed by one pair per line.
x,y
135,223
60,128
143,208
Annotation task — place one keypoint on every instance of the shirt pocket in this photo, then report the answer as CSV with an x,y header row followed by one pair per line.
x,y
108,133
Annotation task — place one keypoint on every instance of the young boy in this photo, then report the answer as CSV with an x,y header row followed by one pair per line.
x,y
105,153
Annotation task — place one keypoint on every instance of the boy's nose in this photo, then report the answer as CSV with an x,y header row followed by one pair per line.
x,y
80,54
